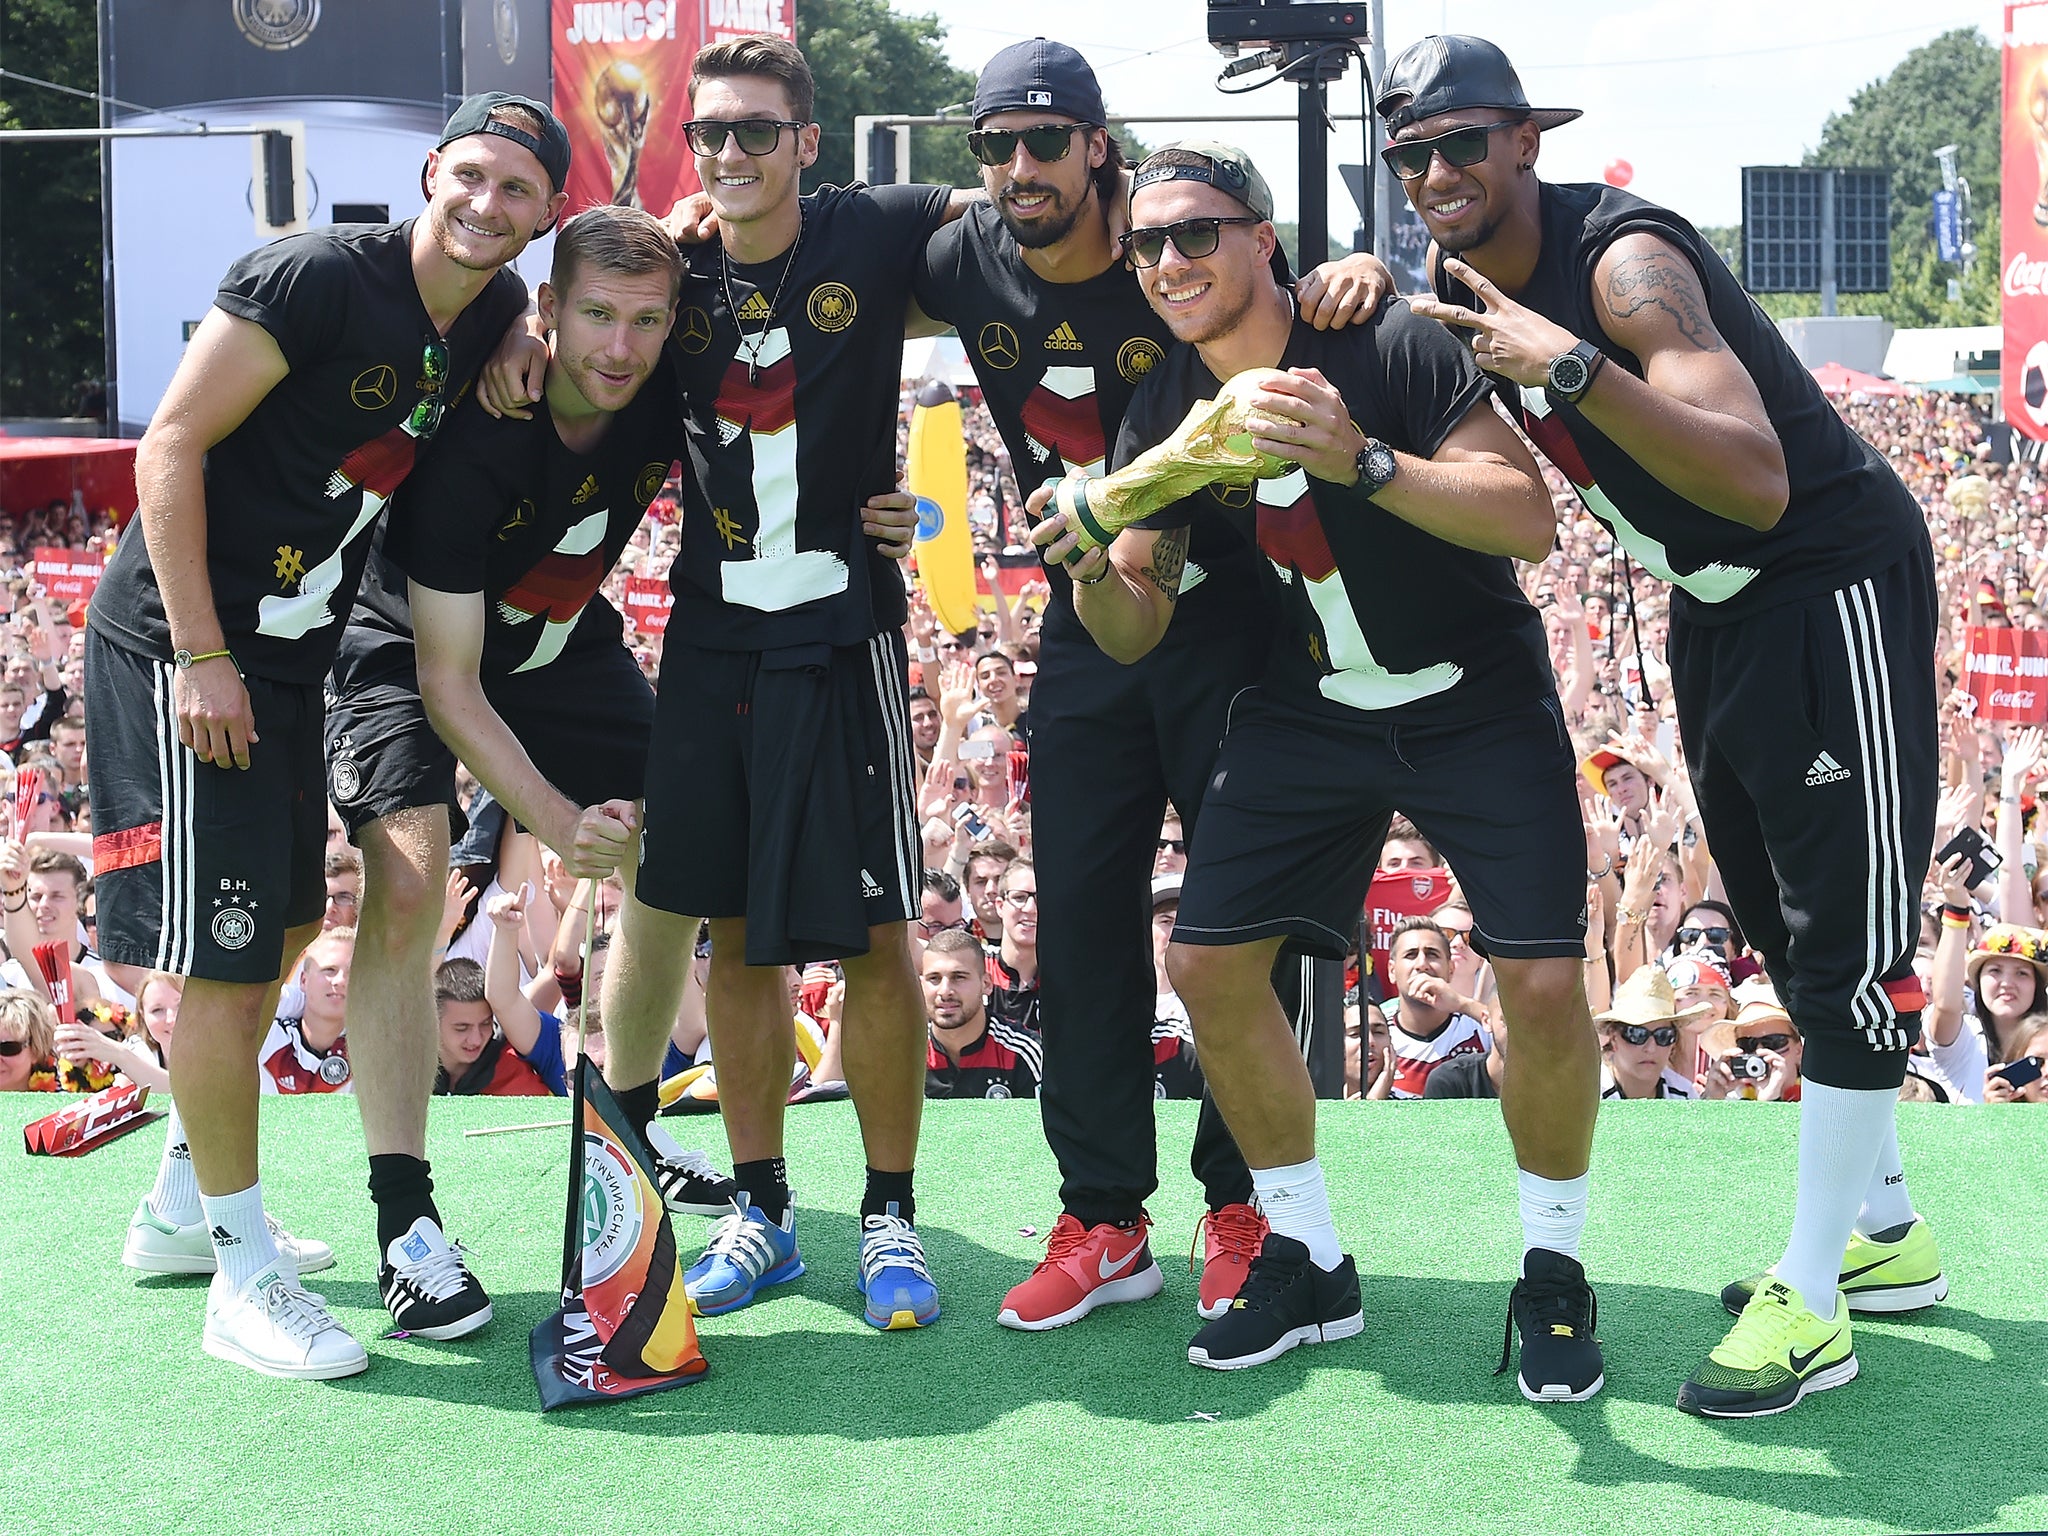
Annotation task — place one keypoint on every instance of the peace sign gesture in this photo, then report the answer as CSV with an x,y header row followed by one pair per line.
x,y
1508,340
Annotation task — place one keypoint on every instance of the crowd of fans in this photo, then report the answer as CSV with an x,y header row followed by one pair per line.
x,y
1684,1010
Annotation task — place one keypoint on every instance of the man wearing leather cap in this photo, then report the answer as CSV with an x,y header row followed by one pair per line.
x,y
1802,630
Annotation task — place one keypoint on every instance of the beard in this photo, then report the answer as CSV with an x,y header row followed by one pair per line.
x,y
1048,229
1220,322
441,223
1461,241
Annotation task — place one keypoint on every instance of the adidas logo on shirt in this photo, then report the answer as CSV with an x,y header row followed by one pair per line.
x,y
870,887
1825,770
584,491
1064,339
757,307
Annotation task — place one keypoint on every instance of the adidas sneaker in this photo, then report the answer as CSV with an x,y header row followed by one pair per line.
x,y
273,1325
427,1288
161,1247
689,1183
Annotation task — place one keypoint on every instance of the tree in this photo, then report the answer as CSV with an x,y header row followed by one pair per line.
x,y
52,328
870,60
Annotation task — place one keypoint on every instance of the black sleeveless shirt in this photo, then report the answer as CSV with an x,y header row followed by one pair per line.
x,y
1848,516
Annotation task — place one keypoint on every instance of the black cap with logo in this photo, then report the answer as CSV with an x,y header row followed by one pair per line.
x,y
1454,71
1038,74
550,147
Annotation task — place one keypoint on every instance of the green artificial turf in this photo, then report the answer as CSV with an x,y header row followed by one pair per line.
x,y
111,1419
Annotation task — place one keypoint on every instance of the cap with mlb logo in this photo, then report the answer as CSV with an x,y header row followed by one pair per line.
x,y
1039,75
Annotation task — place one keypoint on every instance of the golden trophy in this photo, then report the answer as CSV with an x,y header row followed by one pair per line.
x,y
1211,446
622,104
2037,119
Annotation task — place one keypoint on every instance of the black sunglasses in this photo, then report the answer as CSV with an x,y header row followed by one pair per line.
x,y
1047,142
1193,238
1715,935
1178,845
756,135
1751,1044
1460,147
1664,1034
12,1047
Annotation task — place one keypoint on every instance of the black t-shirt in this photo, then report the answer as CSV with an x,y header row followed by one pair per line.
x,y
292,492
505,508
1376,616
1462,1077
791,433
1848,515
1057,364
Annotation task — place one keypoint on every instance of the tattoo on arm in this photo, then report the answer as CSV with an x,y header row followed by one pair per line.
x,y
1169,560
1663,281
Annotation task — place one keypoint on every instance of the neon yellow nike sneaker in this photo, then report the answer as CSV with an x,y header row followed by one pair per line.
x,y
1776,1353
1902,1275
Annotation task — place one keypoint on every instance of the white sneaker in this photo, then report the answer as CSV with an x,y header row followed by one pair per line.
x,y
184,1248
272,1325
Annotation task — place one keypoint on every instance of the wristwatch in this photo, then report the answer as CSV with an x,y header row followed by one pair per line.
x,y
1572,373
1376,467
184,660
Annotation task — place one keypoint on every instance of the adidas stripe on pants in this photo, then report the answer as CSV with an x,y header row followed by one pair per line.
x,y
1810,736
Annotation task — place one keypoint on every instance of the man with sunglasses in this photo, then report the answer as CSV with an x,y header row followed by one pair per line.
x,y
322,369
1802,630
1378,693
1059,335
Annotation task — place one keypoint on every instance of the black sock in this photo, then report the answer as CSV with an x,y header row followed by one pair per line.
x,y
1106,1215
886,1189
403,1189
765,1183
640,1104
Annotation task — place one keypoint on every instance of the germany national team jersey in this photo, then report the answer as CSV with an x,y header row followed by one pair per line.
x,y
292,492
1417,1056
505,508
288,1064
1005,1063
791,416
1057,364
1376,615
1848,516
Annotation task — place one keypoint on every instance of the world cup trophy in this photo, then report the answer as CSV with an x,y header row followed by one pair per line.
x,y
619,97
2037,120
1211,446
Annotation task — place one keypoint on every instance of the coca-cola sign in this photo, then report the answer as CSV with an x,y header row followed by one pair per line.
x,y
2023,214
2024,276
2005,672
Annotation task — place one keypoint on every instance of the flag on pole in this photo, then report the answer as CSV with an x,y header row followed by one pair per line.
x,y
936,469
624,1326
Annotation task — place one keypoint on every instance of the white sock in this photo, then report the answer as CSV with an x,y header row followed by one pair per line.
x,y
176,1196
1295,1204
1887,1203
1553,1212
241,1237
1841,1132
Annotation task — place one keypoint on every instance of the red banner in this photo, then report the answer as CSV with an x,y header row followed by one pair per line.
x,y
736,18
622,75
648,600
1397,894
2006,673
2023,219
69,573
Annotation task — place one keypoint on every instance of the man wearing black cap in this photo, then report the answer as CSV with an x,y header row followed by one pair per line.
x,y
1060,335
1802,631
1378,694
327,361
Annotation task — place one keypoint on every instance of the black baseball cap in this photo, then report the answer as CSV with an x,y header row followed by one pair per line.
x,y
550,148
1038,73
1453,71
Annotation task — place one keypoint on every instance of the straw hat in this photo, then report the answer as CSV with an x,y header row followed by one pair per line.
x,y
2006,941
1647,998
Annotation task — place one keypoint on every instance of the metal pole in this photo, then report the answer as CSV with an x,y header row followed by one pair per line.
x,y
1827,242
1382,187
60,135
1313,151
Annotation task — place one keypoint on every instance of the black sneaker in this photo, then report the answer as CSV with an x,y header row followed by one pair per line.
x,y
689,1184
427,1288
1286,1300
1557,1313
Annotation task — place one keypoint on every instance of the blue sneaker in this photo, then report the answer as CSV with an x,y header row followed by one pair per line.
x,y
893,1275
746,1252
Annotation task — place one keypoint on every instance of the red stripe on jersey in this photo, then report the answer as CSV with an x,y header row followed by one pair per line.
x,y
1070,428
1293,537
768,405
1555,439
559,586
125,850
1907,993
380,466
991,1054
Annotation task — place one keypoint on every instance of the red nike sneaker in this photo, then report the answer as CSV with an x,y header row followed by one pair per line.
x,y
1232,1238
1084,1268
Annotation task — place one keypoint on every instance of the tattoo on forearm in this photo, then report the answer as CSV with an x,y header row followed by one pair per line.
x,y
1663,281
1169,560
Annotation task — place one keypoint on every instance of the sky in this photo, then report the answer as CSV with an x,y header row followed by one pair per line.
x,y
1686,93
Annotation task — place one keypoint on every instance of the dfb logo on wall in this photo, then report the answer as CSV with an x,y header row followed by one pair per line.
x,y
276,25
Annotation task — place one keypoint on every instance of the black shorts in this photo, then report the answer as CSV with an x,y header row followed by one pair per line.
x,y
201,870
1298,805
781,789
584,721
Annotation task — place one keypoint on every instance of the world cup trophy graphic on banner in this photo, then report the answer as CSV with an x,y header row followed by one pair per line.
x,y
619,98
1211,446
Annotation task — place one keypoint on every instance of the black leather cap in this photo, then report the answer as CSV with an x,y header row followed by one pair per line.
x,y
1452,71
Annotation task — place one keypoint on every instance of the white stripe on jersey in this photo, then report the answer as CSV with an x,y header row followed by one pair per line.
x,y
1022,1041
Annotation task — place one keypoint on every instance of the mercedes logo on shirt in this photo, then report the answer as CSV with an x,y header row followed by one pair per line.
x,y
693,330
998,343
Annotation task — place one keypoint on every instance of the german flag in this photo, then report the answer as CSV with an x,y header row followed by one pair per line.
x,y
624,1326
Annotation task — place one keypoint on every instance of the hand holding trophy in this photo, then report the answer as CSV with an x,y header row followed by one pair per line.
x,y
1212,445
